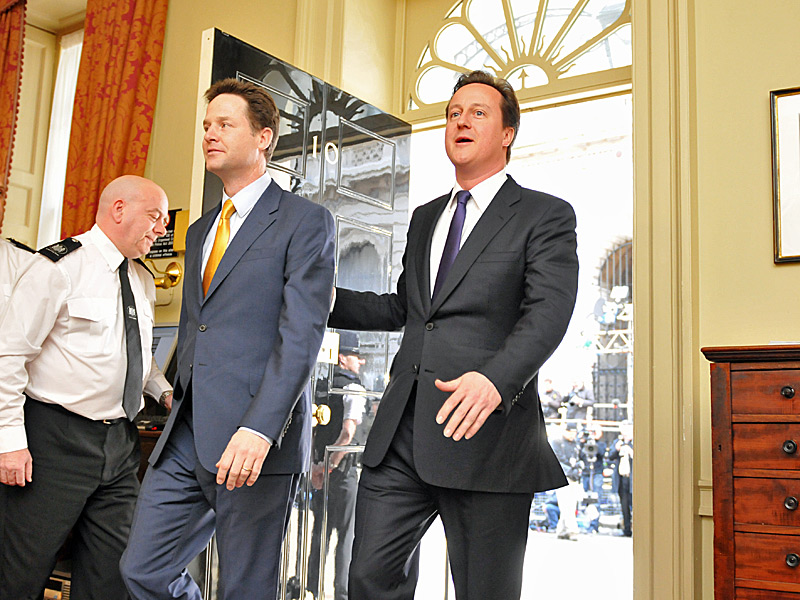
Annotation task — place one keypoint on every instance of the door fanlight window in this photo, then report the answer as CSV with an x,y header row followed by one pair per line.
x,y
537,46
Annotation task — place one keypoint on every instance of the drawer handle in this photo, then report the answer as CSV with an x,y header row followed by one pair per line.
x,y
790,446
790,503
787,391
792,560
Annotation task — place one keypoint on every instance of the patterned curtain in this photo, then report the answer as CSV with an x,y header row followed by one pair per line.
x,y
12,30
114,102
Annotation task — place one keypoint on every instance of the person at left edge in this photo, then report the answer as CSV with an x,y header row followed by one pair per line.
x,y
69,451
249,335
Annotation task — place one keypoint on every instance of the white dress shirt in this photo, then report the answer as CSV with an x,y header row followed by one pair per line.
x,y
62,338
481,196
243,202
13,261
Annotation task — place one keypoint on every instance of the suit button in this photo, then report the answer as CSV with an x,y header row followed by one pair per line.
x,y
202,327
415,368
429,326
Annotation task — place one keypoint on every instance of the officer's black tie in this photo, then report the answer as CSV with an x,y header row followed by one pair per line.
x,y
132,396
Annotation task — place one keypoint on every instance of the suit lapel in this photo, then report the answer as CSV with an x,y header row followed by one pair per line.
x,y
497,214
263,214
423,259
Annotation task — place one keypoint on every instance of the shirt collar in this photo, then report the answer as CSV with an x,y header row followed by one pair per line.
x,y
245,199
105,246
485,191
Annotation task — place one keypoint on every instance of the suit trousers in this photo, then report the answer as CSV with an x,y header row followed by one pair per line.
x,y
179,509
486,532
84,480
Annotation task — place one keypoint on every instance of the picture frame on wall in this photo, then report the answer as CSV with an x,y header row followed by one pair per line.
x,y
785,113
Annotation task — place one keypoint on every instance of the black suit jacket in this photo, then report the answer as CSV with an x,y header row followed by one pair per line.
x,y
502,311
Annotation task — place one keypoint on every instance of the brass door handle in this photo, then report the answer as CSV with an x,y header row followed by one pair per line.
x,y
321,413
169,276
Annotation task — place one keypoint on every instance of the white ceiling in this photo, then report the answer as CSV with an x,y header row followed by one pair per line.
x,y
56,15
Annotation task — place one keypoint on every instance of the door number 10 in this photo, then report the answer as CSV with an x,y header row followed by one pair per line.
x,y
331,151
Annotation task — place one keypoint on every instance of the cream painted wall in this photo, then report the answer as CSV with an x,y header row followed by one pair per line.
x,y
742,54
743,51
354,45
371,48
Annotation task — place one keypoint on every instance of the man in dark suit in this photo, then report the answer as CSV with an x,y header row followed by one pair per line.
x,y
259,273
487,291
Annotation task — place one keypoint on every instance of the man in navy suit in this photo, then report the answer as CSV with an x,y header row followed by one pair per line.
x,y
259,273
487,290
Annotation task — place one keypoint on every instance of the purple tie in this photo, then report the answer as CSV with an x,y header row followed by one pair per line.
x,y
453,243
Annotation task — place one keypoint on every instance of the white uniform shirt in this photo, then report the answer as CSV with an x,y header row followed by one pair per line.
x,y
481,196
354,404
62,338
13,261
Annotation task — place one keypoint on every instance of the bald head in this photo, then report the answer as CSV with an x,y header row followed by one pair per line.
x,y
132,212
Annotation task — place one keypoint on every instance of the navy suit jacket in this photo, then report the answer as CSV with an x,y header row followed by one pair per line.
x,y
502,311
247,348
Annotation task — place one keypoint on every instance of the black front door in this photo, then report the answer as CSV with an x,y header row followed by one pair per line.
x,y
352,158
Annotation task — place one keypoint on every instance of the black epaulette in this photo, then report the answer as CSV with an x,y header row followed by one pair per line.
x,y
141,262
22,246
59,250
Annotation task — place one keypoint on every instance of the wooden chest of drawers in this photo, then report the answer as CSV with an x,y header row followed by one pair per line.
x,y
755,397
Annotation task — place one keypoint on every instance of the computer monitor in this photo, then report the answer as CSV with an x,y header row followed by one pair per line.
x,y
165,339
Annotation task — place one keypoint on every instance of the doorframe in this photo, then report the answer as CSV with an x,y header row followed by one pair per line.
x,y
668,491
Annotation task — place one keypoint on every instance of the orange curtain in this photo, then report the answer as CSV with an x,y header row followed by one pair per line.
x,y
12,29
114,102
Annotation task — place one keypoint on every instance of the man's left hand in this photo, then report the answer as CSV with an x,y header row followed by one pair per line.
x,y
472,400
242,460
317,475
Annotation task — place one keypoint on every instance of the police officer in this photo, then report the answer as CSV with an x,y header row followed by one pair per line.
x,y
347,411
75,354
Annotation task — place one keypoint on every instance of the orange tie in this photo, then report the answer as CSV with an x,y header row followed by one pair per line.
x,y
220,244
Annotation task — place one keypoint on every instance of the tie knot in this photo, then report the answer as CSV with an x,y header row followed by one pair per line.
x,y
462,196
228,209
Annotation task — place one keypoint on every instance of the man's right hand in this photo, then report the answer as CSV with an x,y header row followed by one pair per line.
x,y
16,468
